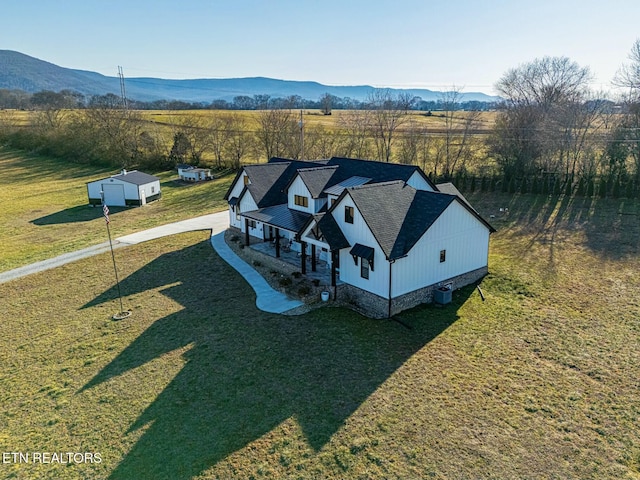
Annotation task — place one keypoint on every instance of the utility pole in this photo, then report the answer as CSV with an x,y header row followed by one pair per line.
x,y
105,211
123,93
301,124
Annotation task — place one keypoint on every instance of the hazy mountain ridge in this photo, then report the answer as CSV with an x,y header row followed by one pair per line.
x,y
20,71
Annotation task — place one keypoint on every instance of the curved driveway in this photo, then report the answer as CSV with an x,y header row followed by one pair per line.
x,y
267,299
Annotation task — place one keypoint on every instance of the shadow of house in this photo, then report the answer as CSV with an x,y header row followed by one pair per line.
x,y
81,213
246,371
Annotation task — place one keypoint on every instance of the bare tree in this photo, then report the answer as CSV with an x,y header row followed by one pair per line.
x,y
220,130
629,74
387,112
279,133
240,141
629,127
535,93
459,127
354,139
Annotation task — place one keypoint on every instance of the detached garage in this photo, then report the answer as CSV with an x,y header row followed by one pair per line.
x,y
128,189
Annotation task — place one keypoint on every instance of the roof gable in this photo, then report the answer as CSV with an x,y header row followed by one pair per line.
x,y
135,177
262,180
316,179
267,181
398,214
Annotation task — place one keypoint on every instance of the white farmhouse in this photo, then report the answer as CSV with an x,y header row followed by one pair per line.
x,y
390,236
132,188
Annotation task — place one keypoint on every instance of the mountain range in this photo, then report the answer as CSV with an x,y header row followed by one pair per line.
x,y
23,72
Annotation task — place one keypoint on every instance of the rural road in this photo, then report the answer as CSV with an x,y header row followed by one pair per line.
x,y
267,299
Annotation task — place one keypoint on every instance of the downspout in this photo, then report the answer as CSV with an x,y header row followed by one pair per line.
x,y
391,262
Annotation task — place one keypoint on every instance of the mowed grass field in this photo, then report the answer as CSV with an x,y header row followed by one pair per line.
x,y
44,209
540,380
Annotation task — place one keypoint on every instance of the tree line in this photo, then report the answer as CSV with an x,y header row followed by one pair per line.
x,y
549,125
21,100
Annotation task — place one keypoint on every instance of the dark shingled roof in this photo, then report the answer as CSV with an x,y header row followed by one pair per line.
x,y
376,171
331,231
263,179
397,214
269,180
316,179
280,216
135,177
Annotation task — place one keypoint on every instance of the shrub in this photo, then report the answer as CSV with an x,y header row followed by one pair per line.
x,y
304,290
257,263
285,282
315,282
296,274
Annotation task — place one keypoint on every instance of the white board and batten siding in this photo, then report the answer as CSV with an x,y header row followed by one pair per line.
x,y
417,181
235,192
463,237
358,232
298,187
248,204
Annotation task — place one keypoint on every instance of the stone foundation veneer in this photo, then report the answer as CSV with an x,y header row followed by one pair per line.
x,y
374,306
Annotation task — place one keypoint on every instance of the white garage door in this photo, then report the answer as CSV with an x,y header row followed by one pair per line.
x,y
113,194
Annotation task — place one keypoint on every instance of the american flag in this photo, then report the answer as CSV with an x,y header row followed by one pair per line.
x,y
105,210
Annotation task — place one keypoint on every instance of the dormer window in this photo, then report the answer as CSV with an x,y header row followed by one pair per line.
x,y
301,201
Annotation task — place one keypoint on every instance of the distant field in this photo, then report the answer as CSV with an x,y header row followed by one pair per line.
x,y
540,380
311,117
45,209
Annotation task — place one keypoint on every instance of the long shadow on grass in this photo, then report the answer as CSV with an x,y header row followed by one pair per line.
x,y
81,213
246,371
611,226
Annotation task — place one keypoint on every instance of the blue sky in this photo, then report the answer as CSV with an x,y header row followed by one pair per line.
x,y
433,44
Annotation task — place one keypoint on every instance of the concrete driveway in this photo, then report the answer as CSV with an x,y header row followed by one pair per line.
x,y
216,222
267,299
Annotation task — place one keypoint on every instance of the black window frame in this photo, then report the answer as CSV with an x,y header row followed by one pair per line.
x,y
301,201
365,268
443,256
349,214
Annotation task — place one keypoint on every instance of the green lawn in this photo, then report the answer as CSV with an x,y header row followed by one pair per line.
x,y
45,212
540,380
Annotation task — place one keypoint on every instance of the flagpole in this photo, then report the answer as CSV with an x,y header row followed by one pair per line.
x,y
105,210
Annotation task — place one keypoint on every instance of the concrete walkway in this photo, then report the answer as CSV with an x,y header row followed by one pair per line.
x,y
267,299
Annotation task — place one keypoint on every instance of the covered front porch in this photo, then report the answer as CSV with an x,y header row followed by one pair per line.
x,y
280,229
321,272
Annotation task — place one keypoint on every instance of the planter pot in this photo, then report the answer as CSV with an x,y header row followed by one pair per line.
x,y
324,296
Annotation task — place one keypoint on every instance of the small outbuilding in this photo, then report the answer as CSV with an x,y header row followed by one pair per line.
x,y
127,189
188,173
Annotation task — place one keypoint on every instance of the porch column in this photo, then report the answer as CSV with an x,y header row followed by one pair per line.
x,y
246,232
277,243
313,257
333,267
303,267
